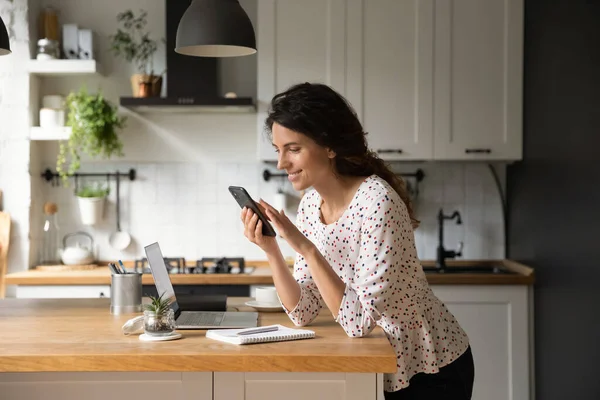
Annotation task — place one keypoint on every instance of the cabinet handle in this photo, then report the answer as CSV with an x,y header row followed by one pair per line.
x,y
399,151
472,151
102,295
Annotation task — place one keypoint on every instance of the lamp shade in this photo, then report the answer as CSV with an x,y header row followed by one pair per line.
x,y
215,28
4,43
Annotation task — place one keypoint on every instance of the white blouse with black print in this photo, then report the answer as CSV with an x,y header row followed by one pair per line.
x,y
371,247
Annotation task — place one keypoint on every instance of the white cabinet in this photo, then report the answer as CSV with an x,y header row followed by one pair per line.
x,y
390,65
62,291
478,80
497,320
294,386
429,79
298,41
188,386
106,385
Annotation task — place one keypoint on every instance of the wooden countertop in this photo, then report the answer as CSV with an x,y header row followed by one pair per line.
x,y
523,275
49,335
101,276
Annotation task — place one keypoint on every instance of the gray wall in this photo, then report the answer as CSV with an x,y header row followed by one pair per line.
x,y
554,194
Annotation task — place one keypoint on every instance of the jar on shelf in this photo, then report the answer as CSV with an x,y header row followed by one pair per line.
x,y
49,24
48,49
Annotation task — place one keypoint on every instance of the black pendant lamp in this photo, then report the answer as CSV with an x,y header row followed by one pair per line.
x,y
4,43
215,28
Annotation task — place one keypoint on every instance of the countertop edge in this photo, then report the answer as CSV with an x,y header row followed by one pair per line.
x,y
194,363
261,276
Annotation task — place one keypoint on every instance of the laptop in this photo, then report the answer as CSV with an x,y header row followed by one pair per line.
x,y
193,319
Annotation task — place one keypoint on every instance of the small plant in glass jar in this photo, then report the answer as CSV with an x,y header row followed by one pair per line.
x,y
159,318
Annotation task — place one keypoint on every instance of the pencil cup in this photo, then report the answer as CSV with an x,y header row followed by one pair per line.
x,y
126,293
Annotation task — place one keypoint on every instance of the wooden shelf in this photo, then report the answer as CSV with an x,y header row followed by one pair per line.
x,y
39,133
63,67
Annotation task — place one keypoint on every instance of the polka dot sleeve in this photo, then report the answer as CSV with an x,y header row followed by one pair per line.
x,y
310,302
367,296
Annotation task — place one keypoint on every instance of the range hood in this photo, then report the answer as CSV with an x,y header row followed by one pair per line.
x,y
192,82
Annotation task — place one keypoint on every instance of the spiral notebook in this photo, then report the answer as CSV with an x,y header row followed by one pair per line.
x,y
282,334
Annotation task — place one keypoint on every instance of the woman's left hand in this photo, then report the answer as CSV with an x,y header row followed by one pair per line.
x,y
287,229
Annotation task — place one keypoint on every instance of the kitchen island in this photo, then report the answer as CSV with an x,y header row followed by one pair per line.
x,y
74,349
496,311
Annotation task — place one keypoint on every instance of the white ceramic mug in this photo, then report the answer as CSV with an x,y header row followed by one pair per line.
x,y
52,118
267,295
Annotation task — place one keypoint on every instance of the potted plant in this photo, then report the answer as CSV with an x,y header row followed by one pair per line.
x,y
134,44
91,198
95,124
159,319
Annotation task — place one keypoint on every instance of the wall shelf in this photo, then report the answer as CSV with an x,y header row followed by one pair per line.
x,y
39,133
63,67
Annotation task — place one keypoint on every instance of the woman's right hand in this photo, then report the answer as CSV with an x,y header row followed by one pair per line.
x,y
253,231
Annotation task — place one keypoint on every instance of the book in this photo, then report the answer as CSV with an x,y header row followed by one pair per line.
x,y
282,333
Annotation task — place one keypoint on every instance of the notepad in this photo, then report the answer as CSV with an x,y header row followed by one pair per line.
x,y
282,334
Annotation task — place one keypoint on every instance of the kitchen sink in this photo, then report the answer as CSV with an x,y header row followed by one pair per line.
x,y
472,269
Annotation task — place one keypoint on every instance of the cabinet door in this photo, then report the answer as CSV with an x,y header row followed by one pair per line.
x,y
298,41
478,80
496,319
106,385
294,386
390,67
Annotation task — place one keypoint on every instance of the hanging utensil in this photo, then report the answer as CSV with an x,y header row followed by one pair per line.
x,y
119,240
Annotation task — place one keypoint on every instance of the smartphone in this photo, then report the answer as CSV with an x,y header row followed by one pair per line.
x,y
244,200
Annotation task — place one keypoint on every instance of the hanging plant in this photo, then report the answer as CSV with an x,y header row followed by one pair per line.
x,y
95,124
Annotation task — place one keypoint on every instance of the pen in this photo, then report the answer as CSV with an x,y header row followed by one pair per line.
x,y
260,329
122,266
117,268
113,269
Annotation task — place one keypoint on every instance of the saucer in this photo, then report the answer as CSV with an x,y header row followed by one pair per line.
x,y
147,338
264,307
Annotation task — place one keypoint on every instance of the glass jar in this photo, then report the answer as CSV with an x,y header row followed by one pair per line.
x,y
50,251
162,324
48,24
48,49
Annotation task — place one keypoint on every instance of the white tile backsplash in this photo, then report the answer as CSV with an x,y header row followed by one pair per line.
x,y
188,209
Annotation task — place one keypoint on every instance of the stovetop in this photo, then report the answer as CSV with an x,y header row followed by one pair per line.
x,y
206,265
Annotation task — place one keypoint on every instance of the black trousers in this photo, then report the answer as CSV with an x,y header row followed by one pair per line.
x,y
453,382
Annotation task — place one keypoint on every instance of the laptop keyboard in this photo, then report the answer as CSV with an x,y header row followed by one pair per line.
x,y
200,319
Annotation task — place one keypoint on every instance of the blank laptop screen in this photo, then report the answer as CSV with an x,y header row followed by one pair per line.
x,y
160,274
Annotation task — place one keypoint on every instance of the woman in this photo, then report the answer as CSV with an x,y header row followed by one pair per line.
x,y
355,246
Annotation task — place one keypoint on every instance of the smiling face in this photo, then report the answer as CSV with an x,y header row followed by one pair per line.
x,y
306,163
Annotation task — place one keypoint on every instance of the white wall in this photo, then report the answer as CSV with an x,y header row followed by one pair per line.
x,y
186,162
14,123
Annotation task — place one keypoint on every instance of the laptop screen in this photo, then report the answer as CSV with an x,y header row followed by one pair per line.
x,y
161,275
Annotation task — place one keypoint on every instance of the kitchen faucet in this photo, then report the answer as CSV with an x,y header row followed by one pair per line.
x,y
442,253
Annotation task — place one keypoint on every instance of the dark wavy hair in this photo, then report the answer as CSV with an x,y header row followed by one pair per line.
x,y
325,116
